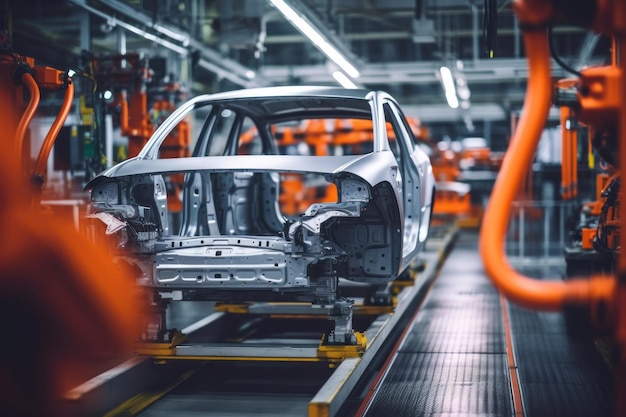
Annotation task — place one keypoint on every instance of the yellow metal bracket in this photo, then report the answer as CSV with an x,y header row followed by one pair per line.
x,y
231,308
161,349
339,352
375,310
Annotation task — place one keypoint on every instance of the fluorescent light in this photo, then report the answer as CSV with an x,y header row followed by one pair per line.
x,y
315,37
172,34
153,38
448,86
446,78
452,100
343,80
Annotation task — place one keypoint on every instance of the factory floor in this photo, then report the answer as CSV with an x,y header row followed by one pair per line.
x,y
470,352
462,350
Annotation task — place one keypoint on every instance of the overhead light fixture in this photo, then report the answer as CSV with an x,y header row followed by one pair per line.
x,y
453,102
315,37
153,38
449,88
344,80
172,34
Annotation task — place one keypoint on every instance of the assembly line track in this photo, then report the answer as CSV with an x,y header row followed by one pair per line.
x,y
156,385
468,351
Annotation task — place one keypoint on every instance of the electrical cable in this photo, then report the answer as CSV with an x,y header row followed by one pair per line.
x,y
33,89
44,153
490,27
556,57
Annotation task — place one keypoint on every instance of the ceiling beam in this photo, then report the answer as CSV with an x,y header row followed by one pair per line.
x,y
482,71
174,39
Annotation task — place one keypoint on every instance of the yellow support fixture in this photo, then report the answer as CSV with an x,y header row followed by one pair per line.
x,y
161,349
232,308
319,410
243,358
340,352
373,310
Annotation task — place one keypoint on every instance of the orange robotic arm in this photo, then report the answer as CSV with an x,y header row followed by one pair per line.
x,y
548,295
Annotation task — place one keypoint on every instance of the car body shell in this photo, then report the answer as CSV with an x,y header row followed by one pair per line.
x,y
232,239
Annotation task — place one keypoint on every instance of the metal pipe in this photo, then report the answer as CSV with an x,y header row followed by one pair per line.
x,y
562,225
108,139
516,39
547,217
520,235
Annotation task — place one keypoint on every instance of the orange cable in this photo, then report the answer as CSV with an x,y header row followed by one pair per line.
x,y
46,147
29,113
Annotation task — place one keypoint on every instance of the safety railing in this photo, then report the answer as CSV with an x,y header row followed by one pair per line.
x,y
539,230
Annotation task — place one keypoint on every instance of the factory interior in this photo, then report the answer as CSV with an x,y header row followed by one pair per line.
x,y
322,208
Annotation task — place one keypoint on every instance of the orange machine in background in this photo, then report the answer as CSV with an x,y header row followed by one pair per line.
x,y
596,237
126,84
123,81
464,178
299,191
453,198
318,137
600,93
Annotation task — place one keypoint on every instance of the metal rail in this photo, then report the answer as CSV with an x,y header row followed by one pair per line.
x,y
537,229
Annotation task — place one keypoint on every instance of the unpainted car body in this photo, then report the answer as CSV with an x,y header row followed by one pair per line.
x,y
233,239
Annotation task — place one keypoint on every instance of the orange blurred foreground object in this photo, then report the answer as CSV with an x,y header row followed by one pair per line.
x,y
63,302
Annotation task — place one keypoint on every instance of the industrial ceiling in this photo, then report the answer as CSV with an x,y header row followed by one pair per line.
x,y
396,45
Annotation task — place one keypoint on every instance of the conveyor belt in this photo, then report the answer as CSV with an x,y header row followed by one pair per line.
x,y
558,375
453,360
